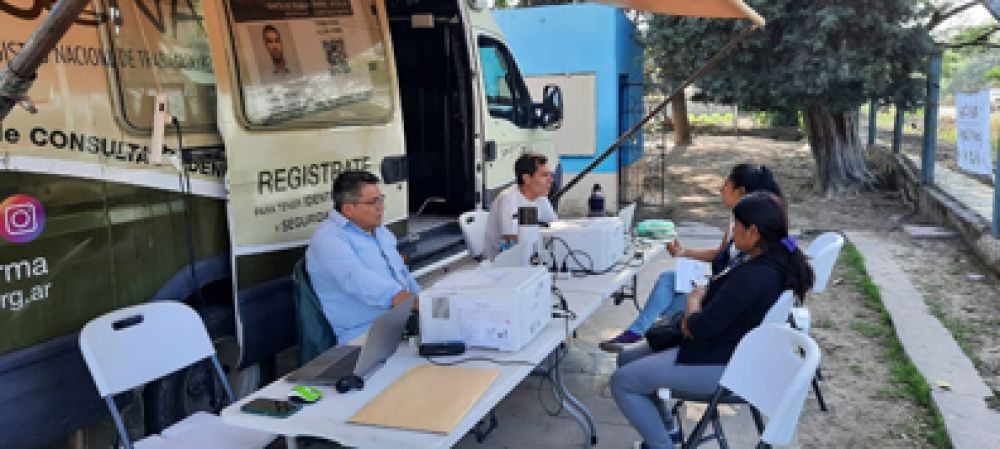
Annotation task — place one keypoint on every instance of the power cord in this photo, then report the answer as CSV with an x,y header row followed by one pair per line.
x,y
479,359
184,179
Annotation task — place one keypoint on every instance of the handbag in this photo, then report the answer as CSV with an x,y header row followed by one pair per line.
x,y
665,333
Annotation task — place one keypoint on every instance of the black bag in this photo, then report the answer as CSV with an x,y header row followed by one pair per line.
x,y
665,333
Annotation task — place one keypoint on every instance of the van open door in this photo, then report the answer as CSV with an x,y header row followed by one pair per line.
x,y
305,91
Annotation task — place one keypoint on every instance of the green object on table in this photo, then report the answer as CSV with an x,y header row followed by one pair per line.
x,y
657,229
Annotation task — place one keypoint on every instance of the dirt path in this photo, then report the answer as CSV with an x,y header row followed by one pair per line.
x,y
868,406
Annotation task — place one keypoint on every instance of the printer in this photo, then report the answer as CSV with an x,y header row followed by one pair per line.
x,y
596,243
497,308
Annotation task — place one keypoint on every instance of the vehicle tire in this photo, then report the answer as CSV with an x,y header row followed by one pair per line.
x,y
197,388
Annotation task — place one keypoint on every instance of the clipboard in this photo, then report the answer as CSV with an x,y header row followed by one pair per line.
x,y
427,398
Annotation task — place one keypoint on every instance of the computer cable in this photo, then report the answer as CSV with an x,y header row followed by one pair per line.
x,y
184,179
479,359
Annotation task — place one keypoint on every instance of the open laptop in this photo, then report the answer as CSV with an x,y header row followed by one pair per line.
x,y
340,361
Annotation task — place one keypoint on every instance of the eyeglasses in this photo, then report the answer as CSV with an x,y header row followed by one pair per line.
x,y
374,201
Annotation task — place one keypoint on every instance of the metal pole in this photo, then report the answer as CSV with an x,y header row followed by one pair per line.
x,y
16,78
927,155
872,121
996,198
635,128
897,129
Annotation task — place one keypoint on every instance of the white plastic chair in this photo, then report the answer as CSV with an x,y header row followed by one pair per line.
x,y
778,313
770,370
130,347
473,224
822,253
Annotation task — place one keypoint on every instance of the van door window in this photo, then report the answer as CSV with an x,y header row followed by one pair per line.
x,y
159,49
506,95
310,63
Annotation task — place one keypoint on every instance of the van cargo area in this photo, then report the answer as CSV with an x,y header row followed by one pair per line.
x,y
435,83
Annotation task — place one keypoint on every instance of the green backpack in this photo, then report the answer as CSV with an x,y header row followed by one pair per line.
x,y
314,332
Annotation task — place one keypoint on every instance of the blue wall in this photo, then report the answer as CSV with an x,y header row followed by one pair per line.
x,y
573,39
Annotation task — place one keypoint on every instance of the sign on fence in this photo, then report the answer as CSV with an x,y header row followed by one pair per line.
x,y
973,131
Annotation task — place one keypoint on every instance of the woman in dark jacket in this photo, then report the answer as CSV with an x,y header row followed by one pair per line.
x,y
716,318
663,300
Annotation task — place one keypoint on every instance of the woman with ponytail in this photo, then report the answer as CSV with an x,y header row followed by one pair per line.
x,y
716,318
663,300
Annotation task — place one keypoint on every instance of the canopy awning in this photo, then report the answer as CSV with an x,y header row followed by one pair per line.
x,y
718,9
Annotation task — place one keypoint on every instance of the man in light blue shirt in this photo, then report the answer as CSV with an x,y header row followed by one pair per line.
x,y
352,259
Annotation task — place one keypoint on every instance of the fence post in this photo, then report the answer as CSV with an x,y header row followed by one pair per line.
x,y
872,121
897,129
996,200
929,150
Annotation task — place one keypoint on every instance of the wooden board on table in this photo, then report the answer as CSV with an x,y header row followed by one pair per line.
x,y
428,398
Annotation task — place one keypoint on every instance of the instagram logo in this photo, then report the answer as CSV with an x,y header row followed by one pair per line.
x,y
23,218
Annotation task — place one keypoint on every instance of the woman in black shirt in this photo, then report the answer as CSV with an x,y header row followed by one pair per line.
x,y
716,318
663,300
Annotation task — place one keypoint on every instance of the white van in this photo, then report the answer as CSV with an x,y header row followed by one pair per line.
x,y
272,100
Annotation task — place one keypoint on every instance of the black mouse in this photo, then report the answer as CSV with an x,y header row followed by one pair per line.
x,y
348,383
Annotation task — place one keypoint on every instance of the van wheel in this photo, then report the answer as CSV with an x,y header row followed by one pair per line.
x,y
197,388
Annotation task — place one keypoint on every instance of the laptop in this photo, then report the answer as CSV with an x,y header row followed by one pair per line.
x,y
339,361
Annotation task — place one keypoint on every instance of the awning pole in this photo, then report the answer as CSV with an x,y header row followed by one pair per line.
x,y
16,78
628,134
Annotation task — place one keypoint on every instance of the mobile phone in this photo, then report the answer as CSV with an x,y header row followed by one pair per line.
x,y
271,407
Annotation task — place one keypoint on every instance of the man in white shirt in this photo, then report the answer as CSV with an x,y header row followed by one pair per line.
x,y
534,180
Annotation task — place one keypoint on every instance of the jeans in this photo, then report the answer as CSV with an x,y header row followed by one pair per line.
x,y
641,372
662,300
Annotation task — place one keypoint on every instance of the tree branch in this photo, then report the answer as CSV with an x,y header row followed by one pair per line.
x,y
980,40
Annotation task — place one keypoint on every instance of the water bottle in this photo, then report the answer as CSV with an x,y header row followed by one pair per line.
x,y
595,204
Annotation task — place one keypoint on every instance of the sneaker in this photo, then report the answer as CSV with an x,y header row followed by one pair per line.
x,y
618,343
675,435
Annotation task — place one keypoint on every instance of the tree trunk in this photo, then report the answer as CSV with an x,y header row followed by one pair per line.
x,y
837,149
682,128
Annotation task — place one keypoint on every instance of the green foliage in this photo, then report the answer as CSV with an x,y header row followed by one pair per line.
x,y
835,53
993,74
973,72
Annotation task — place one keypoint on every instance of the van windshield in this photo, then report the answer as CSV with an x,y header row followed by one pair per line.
x,y
303,64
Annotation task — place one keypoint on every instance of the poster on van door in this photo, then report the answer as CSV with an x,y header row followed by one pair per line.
x,y
304,58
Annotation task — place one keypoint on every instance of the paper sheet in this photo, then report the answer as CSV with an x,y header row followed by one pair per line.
x,y
689,272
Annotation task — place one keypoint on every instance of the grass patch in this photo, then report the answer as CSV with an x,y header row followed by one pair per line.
x,y
869,330
825,323
993,402
961,332
908,381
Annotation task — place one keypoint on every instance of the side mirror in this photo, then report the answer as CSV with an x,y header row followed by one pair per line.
x,y
552,108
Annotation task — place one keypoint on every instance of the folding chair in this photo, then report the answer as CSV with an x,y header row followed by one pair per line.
x,y
473,224
770,371
822,253
312,328
776,315
130,347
